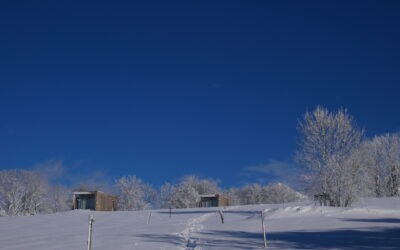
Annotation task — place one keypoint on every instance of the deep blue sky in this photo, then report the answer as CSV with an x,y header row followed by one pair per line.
x,y
164,89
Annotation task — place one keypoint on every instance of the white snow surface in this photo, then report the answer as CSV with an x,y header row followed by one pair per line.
x,y
369,224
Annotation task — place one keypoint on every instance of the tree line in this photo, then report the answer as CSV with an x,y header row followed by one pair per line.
x,y
342,163
28,192
339,162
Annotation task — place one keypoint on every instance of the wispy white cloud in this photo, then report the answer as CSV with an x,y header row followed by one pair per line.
x,y
96,180
271,171
52,169
74,175
272,167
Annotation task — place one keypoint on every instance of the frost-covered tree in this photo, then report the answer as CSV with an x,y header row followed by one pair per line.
x,y
165,196
59,198
36,190
202,186
327,139
233,196
22,192
187,193
185,196
251,194
134,194
381,160
12,192
257,194
281,193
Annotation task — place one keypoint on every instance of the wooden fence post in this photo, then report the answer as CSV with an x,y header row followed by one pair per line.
x,y
148,219
89,242
221,215
263,228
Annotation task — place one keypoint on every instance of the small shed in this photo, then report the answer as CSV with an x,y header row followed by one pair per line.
x,y
213,200
94,200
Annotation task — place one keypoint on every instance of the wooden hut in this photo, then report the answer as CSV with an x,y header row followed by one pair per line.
x,y
213,200
94,200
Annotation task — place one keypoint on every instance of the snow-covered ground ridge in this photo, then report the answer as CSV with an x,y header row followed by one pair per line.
x,y
369,224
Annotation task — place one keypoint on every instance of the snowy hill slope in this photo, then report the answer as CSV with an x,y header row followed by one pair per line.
x,y
371,224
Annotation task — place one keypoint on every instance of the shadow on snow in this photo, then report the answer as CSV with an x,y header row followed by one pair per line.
x,y
380,220
374,238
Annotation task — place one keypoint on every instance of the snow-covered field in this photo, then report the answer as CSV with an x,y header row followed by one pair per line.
x,y
369,224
